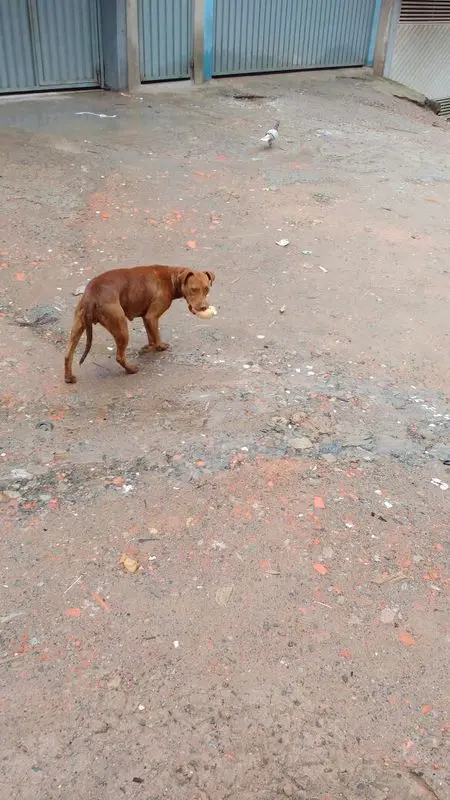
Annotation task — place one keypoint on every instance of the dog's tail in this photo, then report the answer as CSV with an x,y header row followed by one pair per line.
x,y
88,322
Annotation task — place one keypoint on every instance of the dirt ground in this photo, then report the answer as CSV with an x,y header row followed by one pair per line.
x,y
279,475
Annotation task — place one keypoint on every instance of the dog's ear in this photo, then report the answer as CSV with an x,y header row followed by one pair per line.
x,y
211,276
183,277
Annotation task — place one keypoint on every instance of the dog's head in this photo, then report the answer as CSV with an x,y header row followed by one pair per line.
x,y
194,287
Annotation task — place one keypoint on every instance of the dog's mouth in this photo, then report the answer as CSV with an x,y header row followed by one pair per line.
x,y
195,311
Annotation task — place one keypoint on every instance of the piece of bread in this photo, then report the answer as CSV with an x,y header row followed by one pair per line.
x,y
207,314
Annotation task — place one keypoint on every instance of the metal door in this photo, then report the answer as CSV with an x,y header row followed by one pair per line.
x,y
275,35
49,44
419,51
166,45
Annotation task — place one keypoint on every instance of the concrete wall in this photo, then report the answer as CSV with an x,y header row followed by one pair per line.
x,y
389,15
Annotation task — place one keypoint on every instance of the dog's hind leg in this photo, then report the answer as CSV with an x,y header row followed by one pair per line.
x,y
112,318
76,333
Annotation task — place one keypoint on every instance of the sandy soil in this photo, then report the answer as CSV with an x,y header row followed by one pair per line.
x,y
279,475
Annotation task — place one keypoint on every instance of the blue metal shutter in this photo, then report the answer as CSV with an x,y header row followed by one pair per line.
x,y
275,35
17,71
49,44
165,39
68,52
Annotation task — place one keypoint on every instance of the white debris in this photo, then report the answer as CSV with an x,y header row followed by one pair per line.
x,y
440,484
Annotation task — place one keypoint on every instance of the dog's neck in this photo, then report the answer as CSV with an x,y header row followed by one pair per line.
x,y
175,278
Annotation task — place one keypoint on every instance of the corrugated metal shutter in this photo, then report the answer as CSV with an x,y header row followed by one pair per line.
x,y
49,44
69,44
421,49
275,35
425,11
165,39
17,71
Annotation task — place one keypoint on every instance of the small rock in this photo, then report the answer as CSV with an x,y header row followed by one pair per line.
x,y
329,457
427,434
297,418
100,727
287,790
223,595
301,443
332,448
129,564
388,615
79,290
21,474
11,494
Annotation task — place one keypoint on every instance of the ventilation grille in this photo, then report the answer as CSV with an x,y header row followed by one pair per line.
x,y
425,12
441,107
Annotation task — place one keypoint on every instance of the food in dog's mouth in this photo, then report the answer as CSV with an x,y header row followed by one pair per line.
x,y
209,312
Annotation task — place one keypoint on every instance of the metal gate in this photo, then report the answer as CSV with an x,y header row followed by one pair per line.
x,y
275,35
49,44
420,49
166,46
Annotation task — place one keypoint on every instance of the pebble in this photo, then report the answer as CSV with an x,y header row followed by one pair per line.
x,y
21,474
12,494
301,443
388,615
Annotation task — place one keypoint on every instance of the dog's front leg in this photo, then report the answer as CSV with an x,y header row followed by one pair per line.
x,y
151,322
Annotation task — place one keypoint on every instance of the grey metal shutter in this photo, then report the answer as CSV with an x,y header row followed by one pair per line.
x,y
165,39
49,44
275,35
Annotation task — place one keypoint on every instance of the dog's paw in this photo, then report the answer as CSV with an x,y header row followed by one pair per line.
x,y
152,348
70,379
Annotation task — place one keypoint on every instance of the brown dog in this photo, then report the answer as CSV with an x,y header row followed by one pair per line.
x,y
123,294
